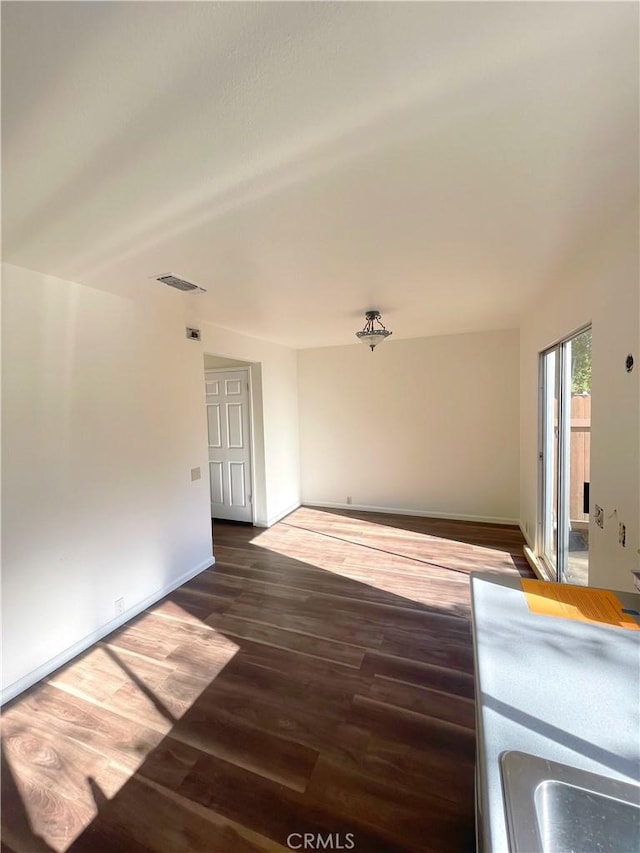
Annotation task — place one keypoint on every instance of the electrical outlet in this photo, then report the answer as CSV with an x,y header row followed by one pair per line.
x,y
119,606
598,516
622,534
349,499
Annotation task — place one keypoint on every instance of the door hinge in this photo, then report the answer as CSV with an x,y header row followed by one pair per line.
x,y
250,499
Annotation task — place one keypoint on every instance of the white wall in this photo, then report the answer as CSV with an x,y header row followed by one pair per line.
x,y
599,284
211,362
427,425
102,421
274,376
103,418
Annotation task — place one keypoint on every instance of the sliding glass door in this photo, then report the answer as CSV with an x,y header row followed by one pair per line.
x,y
565,404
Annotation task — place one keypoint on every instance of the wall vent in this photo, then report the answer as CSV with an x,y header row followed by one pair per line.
x,y
179,283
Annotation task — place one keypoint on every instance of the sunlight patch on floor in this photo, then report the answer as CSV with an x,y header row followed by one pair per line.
x,y
129,701
403,563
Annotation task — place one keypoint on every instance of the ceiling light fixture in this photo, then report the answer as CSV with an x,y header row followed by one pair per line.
x,y
370,335
179,283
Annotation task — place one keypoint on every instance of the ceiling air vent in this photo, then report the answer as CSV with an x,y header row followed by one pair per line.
x,y
179,283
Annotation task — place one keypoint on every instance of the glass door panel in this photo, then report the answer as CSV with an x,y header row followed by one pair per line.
x,y
578,456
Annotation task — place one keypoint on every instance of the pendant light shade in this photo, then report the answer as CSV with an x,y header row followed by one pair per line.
x,y
370,335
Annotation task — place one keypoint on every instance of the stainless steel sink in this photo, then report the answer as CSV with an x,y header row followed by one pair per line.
x,y
554,808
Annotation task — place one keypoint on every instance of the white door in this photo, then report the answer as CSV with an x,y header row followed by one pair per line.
x,y
227,401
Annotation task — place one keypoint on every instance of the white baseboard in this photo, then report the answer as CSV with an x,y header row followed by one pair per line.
x,y
480,519
82,645
526,537
279,515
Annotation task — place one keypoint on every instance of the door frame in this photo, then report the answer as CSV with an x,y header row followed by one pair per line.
x,y
246,371
548,570
563,374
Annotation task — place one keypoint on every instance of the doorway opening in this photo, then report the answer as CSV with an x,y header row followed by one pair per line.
x,y
565,451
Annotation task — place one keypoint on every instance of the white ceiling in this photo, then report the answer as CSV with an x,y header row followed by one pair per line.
x,y
306,161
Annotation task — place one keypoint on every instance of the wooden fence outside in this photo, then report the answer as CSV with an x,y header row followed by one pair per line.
x,y
580,454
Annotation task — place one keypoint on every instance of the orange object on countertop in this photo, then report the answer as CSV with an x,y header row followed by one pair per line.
x,y
584,604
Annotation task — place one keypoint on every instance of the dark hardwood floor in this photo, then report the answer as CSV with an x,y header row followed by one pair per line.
x,y
318,679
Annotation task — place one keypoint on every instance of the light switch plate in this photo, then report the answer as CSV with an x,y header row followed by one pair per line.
x,y
195,474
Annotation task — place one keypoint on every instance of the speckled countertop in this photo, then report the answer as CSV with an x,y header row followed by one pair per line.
x,y
564,690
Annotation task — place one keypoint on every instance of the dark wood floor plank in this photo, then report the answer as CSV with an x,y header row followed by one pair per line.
x,y
169,764
318,679
340,627
425,701
293,661
453,681
150,818
412,729
424,822
443,644
392,612
323,730
251,747
290,689
283,638
430,771
268,808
